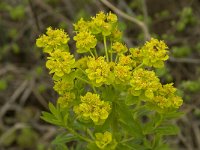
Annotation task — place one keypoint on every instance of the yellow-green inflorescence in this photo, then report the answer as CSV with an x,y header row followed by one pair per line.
x,y
119,66
99,67
93,108
105,141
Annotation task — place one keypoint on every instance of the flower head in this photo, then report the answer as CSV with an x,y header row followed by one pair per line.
x,y
66,99
119,48
154,53
93,108
167,98
54,39
85,41
98,71
103,139
63,86
144,82
60,63
122,74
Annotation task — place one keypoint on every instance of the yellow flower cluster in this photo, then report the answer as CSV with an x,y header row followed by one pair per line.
x,y
154,53
136,55
54,39
98,71
66,99
166,98
86,31
62,86
92,108
144,82
122,74
121,68
60,63
119,48
103,23
105,141
85,41
126,60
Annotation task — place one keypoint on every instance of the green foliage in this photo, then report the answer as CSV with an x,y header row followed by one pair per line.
x,y
112,100
27,138
191,86
181,51
186,18
3,84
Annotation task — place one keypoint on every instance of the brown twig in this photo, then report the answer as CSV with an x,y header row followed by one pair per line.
x,y
40,99
55,14
185,60
13,98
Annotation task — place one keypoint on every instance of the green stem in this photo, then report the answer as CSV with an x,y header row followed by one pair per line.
x,y
90,133
127,140
86,81
111,53
95,52
83,80
114,119
105,46
78,135
139,66
82,71
116,58
91,53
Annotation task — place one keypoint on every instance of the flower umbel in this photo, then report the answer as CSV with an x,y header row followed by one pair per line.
x,y
98,71
103,139
109,96
154,53
92,108
54,39
60,63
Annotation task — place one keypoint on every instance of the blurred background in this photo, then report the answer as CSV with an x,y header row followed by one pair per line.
x,y
26,86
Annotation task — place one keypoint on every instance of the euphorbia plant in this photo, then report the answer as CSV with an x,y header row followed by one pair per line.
x,y
109,96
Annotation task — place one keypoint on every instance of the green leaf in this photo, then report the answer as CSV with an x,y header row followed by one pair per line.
x,y
61,147
131,100
53,109
173,115
48,117
63,138
167,130
128,122
92,146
